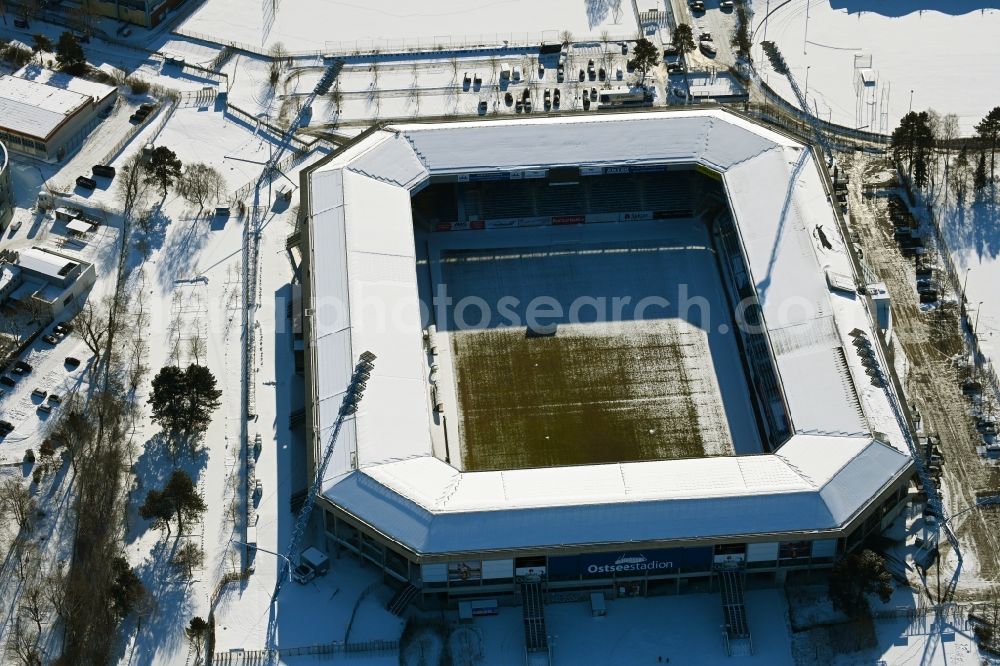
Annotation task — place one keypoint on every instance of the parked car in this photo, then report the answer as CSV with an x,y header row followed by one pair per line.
x,y
482,107
39,393
601,74
591,71
560,74
63,328
669,49
541,71
705,37
22,368
555,97
103,170
72,362
477,81
708,48
726,4
44,408
7,381
6,427
624,48
86,183
583,75
547,98
508,99
519,106
55,399
50,339
466,81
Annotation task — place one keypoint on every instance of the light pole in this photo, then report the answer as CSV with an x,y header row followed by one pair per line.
x,y
806,94
911,100
965,283
805,35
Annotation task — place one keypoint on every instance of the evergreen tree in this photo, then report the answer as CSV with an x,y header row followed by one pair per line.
x,y
203,397
126,588
683,39
979,175
645,56
855,576
989,131
163,168
912,143
183,496
169,398
157,508
183,400
39,44
69,54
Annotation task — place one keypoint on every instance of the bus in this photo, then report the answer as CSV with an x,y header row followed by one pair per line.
x,y
625,96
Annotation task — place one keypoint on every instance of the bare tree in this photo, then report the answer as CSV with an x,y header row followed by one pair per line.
x,y
16,501
34,605
453,61
196,346
374,68
566,37
93,325
22,644
201,184
188,558
279,61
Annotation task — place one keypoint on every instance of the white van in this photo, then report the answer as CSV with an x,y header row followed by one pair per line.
x,y
504,71
517,72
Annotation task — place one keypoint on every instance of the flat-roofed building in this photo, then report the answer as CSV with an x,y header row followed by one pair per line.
x,y
49,115
45,281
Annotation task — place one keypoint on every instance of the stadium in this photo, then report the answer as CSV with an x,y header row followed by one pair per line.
x,y
627,353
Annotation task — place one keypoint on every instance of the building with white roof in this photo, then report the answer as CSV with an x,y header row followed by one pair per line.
x,y
45,281
834,461
49,115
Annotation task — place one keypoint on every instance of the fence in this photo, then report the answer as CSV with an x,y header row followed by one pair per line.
x,y
247,117
826,126
238,657
393,46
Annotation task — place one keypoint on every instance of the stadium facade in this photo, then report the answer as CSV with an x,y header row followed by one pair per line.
x,y
833,463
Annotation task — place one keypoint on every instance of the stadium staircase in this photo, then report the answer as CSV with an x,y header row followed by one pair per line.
x,y
535,636
738,641
402,599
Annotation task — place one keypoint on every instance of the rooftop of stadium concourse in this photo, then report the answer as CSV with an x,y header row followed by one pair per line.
x,y
847,443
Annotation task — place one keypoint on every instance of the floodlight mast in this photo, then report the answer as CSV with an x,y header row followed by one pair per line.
x,y
353,395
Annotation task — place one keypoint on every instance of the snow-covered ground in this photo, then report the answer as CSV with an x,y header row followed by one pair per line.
x,y
344,27
947,53
972,231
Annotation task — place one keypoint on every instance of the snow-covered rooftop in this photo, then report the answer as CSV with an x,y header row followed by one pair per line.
x,y
34,108
384,470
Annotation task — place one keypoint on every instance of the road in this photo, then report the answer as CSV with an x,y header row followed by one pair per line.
x,y
931,341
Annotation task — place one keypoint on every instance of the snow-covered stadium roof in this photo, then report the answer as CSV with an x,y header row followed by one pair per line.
x,y
848,443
